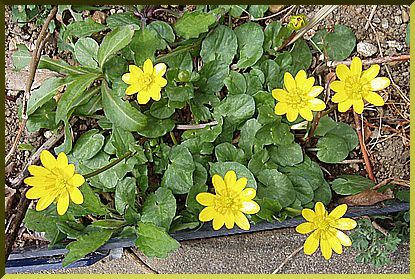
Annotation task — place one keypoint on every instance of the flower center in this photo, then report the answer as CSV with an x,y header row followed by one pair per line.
x,y
223,204
355,87
146,79
298,99
60,183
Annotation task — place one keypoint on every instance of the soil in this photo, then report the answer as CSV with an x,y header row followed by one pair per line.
x,y
387,136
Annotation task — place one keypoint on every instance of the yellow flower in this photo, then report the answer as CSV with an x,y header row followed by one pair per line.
x,y
147,82
230,202
297,22
55,181
355,85
326,229
298,96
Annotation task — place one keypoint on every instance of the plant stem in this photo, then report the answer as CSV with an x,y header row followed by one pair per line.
x,y
110,165
173,138
363,147
380,60
293,210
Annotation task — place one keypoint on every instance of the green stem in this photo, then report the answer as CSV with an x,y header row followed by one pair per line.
x,y
173,138
110,165
328,111
293,210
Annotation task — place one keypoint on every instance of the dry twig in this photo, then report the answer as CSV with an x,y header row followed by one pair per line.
x,y
295,252
381,60
363,147
372,13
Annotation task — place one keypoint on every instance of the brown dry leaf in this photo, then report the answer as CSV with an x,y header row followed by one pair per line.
x,y
9,196
368,197
275,8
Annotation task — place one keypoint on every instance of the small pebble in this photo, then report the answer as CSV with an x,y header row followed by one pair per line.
x,y
376,20
112,11
385,23
405,16
47,134
398,20
366,49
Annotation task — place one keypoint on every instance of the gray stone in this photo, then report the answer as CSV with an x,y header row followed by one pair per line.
x,y
385,23
366,49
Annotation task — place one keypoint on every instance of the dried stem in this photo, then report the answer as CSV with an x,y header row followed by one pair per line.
x,y
295,252
380,60
196,126
363,147
32,71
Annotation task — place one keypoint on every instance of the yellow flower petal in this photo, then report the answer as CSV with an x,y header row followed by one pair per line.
x,y
219,184
44,202
229,220
230,178
159,69
47,159
143,97
63,203
342,72
76,195
356,66
206,199
337,86
39,181
375,99
311,243
160,81
218,221
339,97
280,108
344,106
207,214
38,170
148,67
69,171
344,224
289,82
308,84
305,228
241,221
308,214
279,95
358,106
320,210
342,237
334,242
338,212
300,77
316,105
380,83
371,73
315,91
248,193
306,114
36,193
155,92
132,89
135,71
325,248
240,185
76,180
249,207
292,115
127,78
62,161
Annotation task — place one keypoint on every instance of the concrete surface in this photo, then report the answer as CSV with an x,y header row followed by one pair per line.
x,y
260,252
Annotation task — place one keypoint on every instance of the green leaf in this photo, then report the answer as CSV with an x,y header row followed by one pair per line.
x,y
86,50
325,125
180,93
265,99
338,44
125,194
323,193
347,133
154,241
235,83
403,195
66,146
254,81
301,55
120,112
91,205
192,24
257,11
180,60
212,76
182,158
113,42
60,66
304,191
269,209
270,34
156,127
283,34
88,145
161,109
82,29
271,69
26,147
221,168
43,117
237,108
159,208
250,40
164,30
89,108
237,10
226,152
351,184
287,155
21,57
219,45
108,224
114,68
43,221
266,114
75,87
200,175
191,204
123,19
86,244
277,186
332,149
72,229
247,136
144,44
43,94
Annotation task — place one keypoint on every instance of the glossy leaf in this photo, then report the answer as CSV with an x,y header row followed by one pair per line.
x,y
159,208
220,45
192,24
113,42
221,168
88,145
86,50
351,184
276,186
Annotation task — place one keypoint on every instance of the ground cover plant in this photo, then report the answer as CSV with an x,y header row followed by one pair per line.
x,y
208,114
